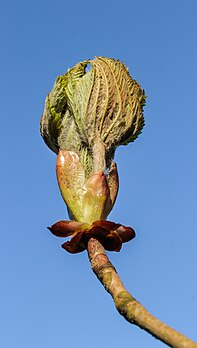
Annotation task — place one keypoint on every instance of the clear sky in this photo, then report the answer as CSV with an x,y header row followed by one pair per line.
x,y
49,298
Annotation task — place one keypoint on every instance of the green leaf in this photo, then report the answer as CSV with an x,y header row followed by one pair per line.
x,y
93,112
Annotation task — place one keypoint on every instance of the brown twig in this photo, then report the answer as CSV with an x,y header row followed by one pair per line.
x,y
127,305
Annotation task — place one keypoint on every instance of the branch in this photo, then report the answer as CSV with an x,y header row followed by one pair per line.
x,y
127,305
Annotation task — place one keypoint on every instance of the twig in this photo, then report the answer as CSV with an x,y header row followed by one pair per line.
x,y
127,305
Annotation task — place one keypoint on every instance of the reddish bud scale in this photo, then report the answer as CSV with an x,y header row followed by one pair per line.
x,y
109,234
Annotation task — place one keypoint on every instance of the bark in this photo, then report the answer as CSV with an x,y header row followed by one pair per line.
x,y
127,305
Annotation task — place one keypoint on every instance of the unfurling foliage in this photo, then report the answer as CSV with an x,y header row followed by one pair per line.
x,y
87,115
85,109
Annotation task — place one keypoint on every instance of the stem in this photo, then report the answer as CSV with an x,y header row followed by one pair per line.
x,y
127,305
99,162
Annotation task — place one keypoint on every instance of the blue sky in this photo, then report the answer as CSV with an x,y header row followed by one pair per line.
x,y
50,298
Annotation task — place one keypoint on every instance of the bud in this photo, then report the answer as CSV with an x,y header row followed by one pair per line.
x,y
88,199
87,115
